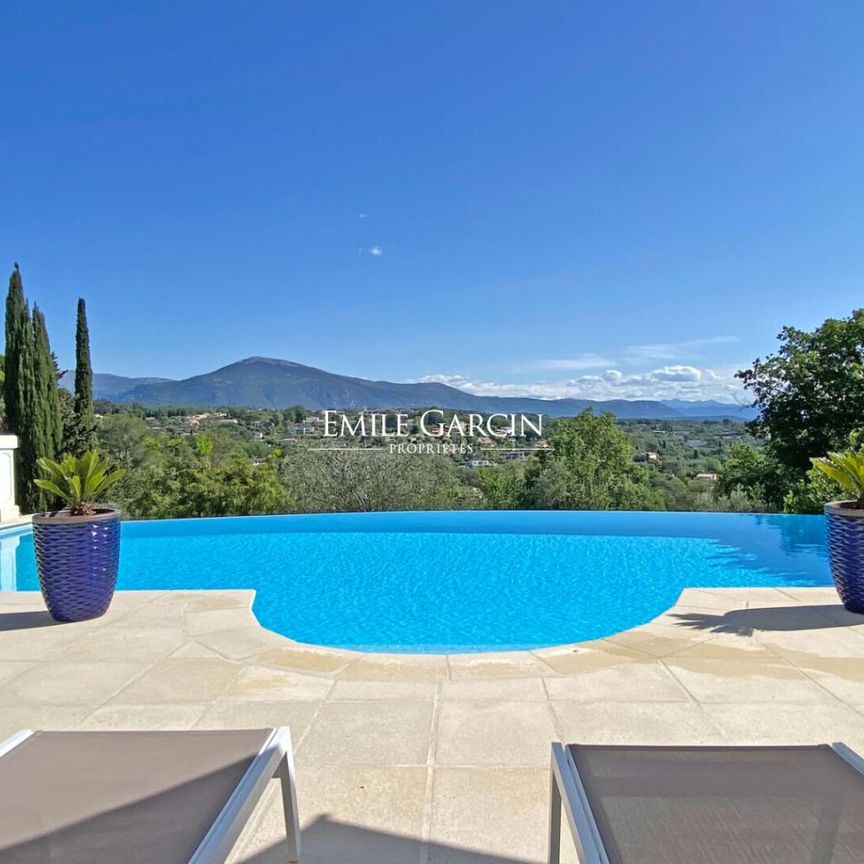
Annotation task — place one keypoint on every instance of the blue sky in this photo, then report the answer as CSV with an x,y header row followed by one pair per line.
x,y
562,198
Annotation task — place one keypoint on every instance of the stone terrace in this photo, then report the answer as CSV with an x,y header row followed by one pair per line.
x,y
437,758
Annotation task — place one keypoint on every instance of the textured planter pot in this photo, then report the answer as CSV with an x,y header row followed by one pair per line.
x,y
846,553
77,558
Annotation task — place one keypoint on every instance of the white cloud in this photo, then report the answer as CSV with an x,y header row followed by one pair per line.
x,y
631,355
678,373
665,382
659,351
580,361
377,251
667,370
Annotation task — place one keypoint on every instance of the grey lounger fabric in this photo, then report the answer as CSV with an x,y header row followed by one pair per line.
x,y
707,805
119,797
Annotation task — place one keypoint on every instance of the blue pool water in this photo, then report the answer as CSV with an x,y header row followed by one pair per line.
x,y
458,581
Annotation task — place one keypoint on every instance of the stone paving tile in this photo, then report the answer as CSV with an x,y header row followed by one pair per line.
x,y
217,620
124,603
494,733
750,680
355,691
120,642
631,682
13,718
162,611
519,664
827,596
297,716
62,683
259,683
303,658
150,717
657,640
180,680
241,643
708,599
462,831
785,723
196,650
204,601
507,689
635,723
396,667
26,599
682,617
754,595
844,679
11,668
818,644
369,733
730,647
361,815
38,642
600,654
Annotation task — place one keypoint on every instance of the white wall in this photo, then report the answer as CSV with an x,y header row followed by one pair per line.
x,y
8,508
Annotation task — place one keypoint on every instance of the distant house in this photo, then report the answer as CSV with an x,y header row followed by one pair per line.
x,y
485,441
652,456
479,463
708,476
513,455
193,421
695,442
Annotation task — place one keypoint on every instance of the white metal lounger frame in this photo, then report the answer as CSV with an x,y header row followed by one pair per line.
x,y
275,758
569,793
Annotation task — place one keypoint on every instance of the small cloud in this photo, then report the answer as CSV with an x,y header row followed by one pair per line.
x,y
362,216
377,251
580,361
677,373
673,350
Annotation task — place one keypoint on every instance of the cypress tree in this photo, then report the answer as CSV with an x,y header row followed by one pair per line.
x,y
31,393
85,423
29,496
50,422
16,315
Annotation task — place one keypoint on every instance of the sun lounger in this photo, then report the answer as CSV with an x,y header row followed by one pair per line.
x,y
707,805
138,797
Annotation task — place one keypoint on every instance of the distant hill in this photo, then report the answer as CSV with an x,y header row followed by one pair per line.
x,y
712,408
106,386
261,382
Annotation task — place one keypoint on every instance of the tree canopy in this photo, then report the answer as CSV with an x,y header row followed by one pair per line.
x,y
810,394
590,466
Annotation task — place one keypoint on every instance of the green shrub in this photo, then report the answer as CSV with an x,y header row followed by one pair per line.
x,y
846,469
78,482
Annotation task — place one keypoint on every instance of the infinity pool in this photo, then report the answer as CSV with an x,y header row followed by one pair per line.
x,y
458,581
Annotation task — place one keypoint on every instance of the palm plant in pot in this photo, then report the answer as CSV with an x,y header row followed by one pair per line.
x,y
846,526
78,547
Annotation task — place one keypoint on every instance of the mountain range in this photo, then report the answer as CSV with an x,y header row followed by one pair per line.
x,y
262,382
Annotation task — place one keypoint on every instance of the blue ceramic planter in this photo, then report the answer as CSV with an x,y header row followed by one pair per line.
x,y
846,553
76,559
